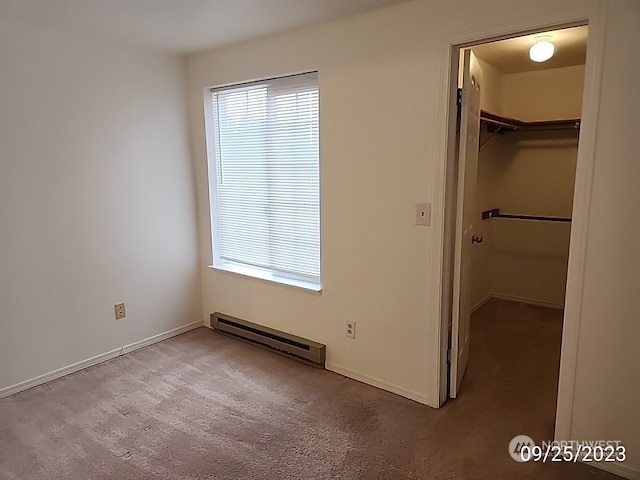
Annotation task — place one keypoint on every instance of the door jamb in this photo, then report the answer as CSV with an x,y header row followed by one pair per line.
x,y
581,207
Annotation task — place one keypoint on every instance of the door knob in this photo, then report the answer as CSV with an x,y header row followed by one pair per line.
x,y
477,239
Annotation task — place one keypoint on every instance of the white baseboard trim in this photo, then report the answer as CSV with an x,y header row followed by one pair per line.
x,y
619,469
481,302
61,372
374,382
530,301
160,337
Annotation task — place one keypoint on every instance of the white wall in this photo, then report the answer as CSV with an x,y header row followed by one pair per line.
x,y
492,88
608,371
374,260
544,94
96,200
536,178
382,145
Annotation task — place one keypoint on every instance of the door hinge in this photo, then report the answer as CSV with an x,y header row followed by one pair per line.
x,y
459,97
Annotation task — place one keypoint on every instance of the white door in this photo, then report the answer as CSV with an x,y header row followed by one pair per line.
x,y
464,237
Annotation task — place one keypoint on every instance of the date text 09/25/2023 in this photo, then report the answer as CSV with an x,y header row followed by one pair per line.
x,y
523,449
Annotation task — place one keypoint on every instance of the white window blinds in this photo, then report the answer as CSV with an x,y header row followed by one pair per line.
x,y
264,175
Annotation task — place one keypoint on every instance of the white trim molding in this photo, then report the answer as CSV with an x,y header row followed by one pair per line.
x,y
481,302
374,382
516,298
619,469
103,357
529,301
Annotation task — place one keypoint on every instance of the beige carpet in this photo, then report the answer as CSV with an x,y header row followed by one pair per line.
x,y
203,406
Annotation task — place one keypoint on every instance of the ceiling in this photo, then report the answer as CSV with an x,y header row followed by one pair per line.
x,y
181,25
512,55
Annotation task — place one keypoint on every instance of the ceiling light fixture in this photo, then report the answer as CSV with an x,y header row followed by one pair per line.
x,y
542,50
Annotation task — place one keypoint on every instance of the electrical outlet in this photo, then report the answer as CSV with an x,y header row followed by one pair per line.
x,y
350,329
120,312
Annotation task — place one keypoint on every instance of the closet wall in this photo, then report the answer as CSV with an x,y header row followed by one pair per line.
x,y
526,173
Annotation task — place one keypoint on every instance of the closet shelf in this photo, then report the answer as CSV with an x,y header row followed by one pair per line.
x,y
495,213
512,124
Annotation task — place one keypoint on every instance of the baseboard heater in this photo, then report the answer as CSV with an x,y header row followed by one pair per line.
x,y
298,348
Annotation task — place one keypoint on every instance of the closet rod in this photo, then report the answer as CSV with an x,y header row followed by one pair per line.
x,y
495,213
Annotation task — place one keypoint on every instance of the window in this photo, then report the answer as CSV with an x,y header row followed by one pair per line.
x,y
263,152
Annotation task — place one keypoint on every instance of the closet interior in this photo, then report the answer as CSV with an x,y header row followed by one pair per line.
x,y
528,146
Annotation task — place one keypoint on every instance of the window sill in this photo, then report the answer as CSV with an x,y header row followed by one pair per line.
x,y
267,275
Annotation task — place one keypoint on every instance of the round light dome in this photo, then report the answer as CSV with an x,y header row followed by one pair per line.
x,y
541,51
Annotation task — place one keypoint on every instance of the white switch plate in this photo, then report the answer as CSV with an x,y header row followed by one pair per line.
x,y
423,214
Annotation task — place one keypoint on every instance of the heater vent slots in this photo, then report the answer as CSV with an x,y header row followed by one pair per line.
x,y
298,348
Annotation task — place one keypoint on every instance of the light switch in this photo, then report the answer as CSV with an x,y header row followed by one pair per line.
x,y
423,214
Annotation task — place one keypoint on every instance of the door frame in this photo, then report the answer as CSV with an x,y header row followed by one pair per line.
x,y
446,188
